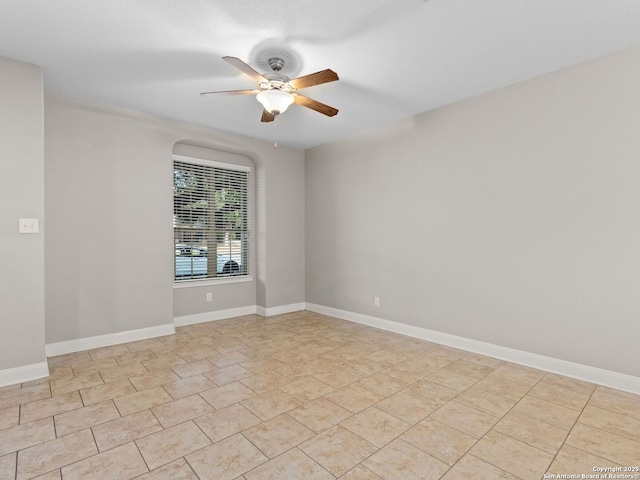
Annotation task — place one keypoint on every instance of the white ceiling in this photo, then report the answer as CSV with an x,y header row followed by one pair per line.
x,y
395,58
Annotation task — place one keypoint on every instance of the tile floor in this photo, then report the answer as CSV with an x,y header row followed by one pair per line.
x,y
306,397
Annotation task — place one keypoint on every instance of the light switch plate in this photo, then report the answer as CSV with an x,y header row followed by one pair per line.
x,y
27,225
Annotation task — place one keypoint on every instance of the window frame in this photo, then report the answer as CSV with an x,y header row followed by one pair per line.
x,y
248,251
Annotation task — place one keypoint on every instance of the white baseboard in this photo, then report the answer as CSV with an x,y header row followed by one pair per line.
x,y
607,378
26,373
77,345
282,309
80,344
213,316
237,312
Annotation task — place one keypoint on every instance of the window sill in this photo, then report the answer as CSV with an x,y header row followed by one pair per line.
x,y
211,281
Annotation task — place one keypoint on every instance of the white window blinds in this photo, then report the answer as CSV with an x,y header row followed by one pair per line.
x,y
210,219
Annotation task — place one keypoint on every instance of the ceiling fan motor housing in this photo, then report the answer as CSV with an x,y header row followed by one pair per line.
x,y
276,80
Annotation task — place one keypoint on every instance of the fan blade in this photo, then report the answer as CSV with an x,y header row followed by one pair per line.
x,y
267,117
315,105
318,78
244,68
230,92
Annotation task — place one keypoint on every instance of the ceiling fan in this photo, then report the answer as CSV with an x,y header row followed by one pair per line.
x,y
277,91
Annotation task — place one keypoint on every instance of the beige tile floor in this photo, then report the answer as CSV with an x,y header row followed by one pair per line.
x,y
306,397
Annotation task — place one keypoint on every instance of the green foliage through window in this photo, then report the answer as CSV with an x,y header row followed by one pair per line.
x,y
210,216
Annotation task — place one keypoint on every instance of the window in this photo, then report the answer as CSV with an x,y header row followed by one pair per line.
x,y
210,219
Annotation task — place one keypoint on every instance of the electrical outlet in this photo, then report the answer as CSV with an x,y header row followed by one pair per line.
x,y
376,301
209,297
27,225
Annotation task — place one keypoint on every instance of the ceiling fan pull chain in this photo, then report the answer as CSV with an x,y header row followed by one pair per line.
x,y
275,139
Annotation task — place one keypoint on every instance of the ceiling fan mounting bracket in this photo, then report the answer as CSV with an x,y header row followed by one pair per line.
x,y
276,64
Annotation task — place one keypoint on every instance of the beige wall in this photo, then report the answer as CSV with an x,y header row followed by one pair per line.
x,y
21,195
109,253
511,218
284,223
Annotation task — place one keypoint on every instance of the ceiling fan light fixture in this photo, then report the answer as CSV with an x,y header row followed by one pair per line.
x,y
275,101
